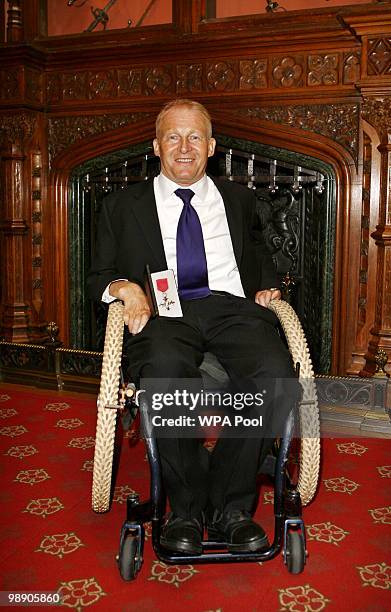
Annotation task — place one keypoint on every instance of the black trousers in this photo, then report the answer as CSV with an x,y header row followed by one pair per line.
x,y
244,338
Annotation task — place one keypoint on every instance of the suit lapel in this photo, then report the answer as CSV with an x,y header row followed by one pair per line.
x,y
234,212
145,211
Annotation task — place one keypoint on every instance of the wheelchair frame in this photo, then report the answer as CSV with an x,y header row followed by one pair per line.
x,y
289,531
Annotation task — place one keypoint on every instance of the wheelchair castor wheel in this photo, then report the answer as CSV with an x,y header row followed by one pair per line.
x,y
295,552
129,560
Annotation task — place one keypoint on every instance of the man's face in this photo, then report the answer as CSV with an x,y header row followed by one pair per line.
x,y
183,145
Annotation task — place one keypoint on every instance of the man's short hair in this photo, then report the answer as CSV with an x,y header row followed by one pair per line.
x,y
192,105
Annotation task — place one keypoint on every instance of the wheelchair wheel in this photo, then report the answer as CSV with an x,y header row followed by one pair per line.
x,y
127,562
107,417
295,552
308,410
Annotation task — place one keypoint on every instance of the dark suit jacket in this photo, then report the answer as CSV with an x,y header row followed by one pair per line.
x,y
129,237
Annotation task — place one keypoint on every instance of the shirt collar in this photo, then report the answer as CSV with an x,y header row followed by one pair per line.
x,y
167,187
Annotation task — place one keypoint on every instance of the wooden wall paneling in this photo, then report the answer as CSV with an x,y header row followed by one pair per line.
x,y
14,226
297,83
378,113
366,299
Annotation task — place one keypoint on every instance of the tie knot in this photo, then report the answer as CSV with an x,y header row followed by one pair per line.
x,y
185,195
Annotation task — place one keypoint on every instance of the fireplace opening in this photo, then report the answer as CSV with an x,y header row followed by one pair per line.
x,y
296,205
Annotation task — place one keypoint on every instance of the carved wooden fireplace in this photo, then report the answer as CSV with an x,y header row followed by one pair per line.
x,y
318,100
296,205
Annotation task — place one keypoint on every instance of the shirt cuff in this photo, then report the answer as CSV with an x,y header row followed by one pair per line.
x,y
106,297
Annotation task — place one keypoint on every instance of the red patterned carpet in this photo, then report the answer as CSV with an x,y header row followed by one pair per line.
x,y
52,541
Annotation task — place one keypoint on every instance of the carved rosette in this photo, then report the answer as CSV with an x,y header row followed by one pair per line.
x,y
65,131
340,122
158,80
323,69
288,71
221,76
253,74
189,78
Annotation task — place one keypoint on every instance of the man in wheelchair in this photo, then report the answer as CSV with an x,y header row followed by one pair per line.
x,y
208,233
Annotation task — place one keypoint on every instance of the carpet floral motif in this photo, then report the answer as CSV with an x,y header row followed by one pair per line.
x,y
6,413
88,465
341,485
4,397
172,574
121,493
69,423
326,532
384,471
351,448
13,430
268,497
32,477
21,451
377,575
80,593
302,599
44,507
60,544
57,406
84,443
381,515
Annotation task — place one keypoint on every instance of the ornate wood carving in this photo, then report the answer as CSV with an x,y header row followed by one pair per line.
x,y
288,71
336,121
323,69
377,111
365,214
379,56
36,225
65,131
18,127
10,84
253,74
305,70
351,68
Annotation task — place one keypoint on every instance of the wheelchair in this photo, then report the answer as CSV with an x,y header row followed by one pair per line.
x,y
291,492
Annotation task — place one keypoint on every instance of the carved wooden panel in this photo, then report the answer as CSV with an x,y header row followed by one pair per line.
x,y
304,70
365,217
65,131
379,56
351,67
17,127
336,121
36,231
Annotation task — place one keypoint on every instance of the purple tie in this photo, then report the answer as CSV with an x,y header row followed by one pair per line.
x,y
192,270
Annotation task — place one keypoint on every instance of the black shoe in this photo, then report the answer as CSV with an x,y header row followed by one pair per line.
x,y
182,535
238,530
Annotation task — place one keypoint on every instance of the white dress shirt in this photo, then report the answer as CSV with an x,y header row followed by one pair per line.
x,y
223,273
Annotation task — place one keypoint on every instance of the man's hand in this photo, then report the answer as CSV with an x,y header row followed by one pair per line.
x,y
136,309
266,295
